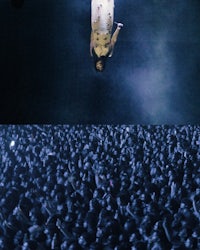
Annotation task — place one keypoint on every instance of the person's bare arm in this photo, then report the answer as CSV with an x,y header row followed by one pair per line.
x,y
166,229
66,234
197,214
115,36
116,33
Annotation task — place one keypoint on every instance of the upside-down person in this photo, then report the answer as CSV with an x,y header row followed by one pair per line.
x,y
102,40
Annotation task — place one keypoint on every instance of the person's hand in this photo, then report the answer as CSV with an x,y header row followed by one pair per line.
x,y
119,25
173,189
164,222
58,223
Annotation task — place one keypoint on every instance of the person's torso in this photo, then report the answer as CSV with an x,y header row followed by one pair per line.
x,y
101,42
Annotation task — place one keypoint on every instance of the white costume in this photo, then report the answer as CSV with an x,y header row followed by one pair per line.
x,y
102,41
102,11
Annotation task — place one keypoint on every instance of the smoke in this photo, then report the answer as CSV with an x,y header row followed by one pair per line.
x,y
158,33
152,83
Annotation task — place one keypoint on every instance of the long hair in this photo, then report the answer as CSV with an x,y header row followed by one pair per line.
x,y
101,59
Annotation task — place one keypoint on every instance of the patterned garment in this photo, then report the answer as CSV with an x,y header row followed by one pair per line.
x,y
102,15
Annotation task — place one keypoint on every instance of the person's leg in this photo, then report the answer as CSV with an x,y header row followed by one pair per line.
x,y
102,15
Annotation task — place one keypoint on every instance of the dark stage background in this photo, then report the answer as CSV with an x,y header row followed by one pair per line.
x,y
47,75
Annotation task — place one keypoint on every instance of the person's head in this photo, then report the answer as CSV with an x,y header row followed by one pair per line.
x,y
29,245
100,64
129,226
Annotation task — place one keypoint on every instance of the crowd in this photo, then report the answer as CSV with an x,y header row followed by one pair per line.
x,y
99,187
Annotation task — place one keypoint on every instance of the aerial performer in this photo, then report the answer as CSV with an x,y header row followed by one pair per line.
x,y
102,41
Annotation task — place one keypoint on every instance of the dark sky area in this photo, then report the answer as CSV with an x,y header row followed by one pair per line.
x,y
47,74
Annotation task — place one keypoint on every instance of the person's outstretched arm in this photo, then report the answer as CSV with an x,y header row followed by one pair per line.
x,y
166,229
66,234
197,214
115,36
